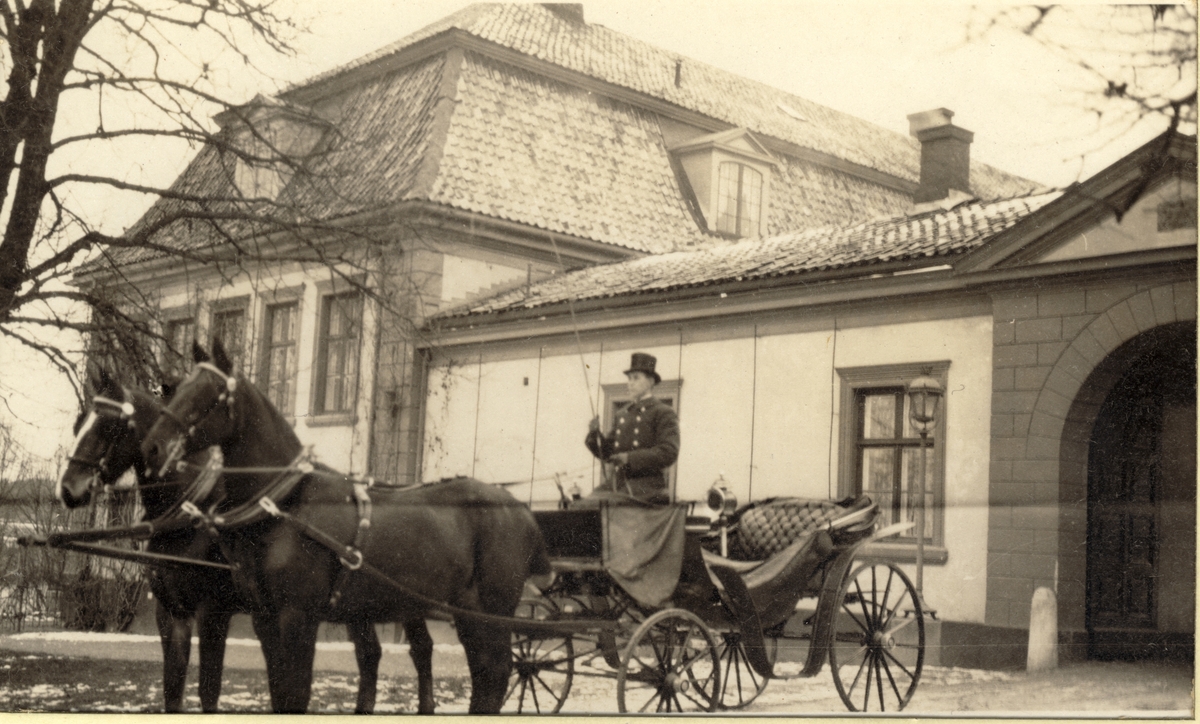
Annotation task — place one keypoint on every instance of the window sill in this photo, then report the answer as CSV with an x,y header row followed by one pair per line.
x,y
904,553
331,420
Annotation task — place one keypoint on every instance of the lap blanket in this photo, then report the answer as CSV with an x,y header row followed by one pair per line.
x,y
643,548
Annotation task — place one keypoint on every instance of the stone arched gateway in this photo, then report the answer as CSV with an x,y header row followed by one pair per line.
x,y
1041,453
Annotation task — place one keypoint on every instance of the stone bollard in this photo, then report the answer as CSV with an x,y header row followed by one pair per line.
x,y
1043,631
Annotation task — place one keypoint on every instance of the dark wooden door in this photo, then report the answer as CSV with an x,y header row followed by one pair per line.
x,y
1141,506
1122,535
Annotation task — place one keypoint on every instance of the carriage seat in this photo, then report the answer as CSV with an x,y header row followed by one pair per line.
x,y
762,529
776,546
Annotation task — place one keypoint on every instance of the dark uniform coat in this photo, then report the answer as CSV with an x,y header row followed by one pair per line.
x,y
648,430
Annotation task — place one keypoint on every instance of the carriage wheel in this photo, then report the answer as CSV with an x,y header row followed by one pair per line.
x,y
740,683
670,665
543,664
878,645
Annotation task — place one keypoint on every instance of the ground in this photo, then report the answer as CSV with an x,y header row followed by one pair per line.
x,y
122,673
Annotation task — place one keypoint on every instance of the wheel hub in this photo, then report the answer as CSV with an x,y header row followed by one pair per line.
x,y
883,640
673,682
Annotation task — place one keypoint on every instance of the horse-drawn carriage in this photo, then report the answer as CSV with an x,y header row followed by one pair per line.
x,y
689,613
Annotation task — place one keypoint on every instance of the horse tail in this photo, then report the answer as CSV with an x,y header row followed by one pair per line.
x,y
539,560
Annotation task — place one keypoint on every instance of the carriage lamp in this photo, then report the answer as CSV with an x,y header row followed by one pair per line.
x,y
924,398
723,502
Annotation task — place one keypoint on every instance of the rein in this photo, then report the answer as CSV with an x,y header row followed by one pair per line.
x,y
352,560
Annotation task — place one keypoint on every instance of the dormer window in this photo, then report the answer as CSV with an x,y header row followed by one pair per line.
x,y
274,138
729,175
739,199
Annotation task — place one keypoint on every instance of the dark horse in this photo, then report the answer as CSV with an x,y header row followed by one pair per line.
x,y
462,542
108,442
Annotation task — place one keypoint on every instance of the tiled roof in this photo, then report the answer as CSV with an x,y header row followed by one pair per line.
x,y
373,160
613,57
931,235
517,145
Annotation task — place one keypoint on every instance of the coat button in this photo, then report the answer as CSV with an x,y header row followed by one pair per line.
x,y
622,421
635,431
617,444
639,418
635,443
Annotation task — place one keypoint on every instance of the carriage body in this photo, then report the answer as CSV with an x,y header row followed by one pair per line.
x,y
712,641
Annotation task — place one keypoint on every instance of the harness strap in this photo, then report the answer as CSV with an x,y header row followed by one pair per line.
x,y
282,486
352,557
516,624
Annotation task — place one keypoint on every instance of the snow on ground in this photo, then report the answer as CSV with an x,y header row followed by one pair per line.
x,y
91,637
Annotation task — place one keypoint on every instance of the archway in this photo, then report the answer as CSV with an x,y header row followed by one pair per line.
x,y
1141,500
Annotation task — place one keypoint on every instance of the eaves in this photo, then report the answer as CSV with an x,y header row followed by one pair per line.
x,y
807,292
562,250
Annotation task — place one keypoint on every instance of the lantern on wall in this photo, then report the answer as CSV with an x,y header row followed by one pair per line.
x,y
924,400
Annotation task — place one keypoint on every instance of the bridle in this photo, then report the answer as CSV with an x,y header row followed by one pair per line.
x,y
106,407
188,430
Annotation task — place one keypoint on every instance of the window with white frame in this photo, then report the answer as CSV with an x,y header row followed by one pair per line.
x,y
339,340
229,326
739,199
180,333
277,373
882,453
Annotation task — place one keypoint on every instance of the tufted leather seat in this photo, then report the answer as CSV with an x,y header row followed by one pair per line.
x,y
770,526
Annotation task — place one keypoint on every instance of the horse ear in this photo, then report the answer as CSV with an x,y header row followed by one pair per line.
x,y
105,385
198,353
220,358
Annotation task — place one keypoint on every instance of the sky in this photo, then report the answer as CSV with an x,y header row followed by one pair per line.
x,y
877,61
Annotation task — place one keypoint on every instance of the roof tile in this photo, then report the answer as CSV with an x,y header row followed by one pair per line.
x,y
933,234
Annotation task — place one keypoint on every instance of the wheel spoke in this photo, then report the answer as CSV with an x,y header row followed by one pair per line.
x,y
858,675
879,682
897,662
867,689
892,679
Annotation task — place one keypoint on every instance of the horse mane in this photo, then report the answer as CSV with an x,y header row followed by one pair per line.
x,y
261,437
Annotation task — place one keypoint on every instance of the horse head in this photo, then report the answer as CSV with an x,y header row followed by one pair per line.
x,y
108,433
199,415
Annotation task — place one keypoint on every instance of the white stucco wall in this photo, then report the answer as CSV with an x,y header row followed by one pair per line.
x,y
761,412
956,589
464,278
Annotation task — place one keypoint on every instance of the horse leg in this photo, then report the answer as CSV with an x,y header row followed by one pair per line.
x,y
290,679
214,628
420,648
489,657
175,634
367,652
266,629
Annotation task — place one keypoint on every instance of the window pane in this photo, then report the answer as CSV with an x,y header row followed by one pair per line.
x,y
727,198
281,357
751,201
878,478
910,473
341,322
180,333
879,417
229,327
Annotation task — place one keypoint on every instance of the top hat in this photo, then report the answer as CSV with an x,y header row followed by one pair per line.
x,y
642,362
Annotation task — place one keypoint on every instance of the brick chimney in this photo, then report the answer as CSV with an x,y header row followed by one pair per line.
x,y
569,11
945,155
